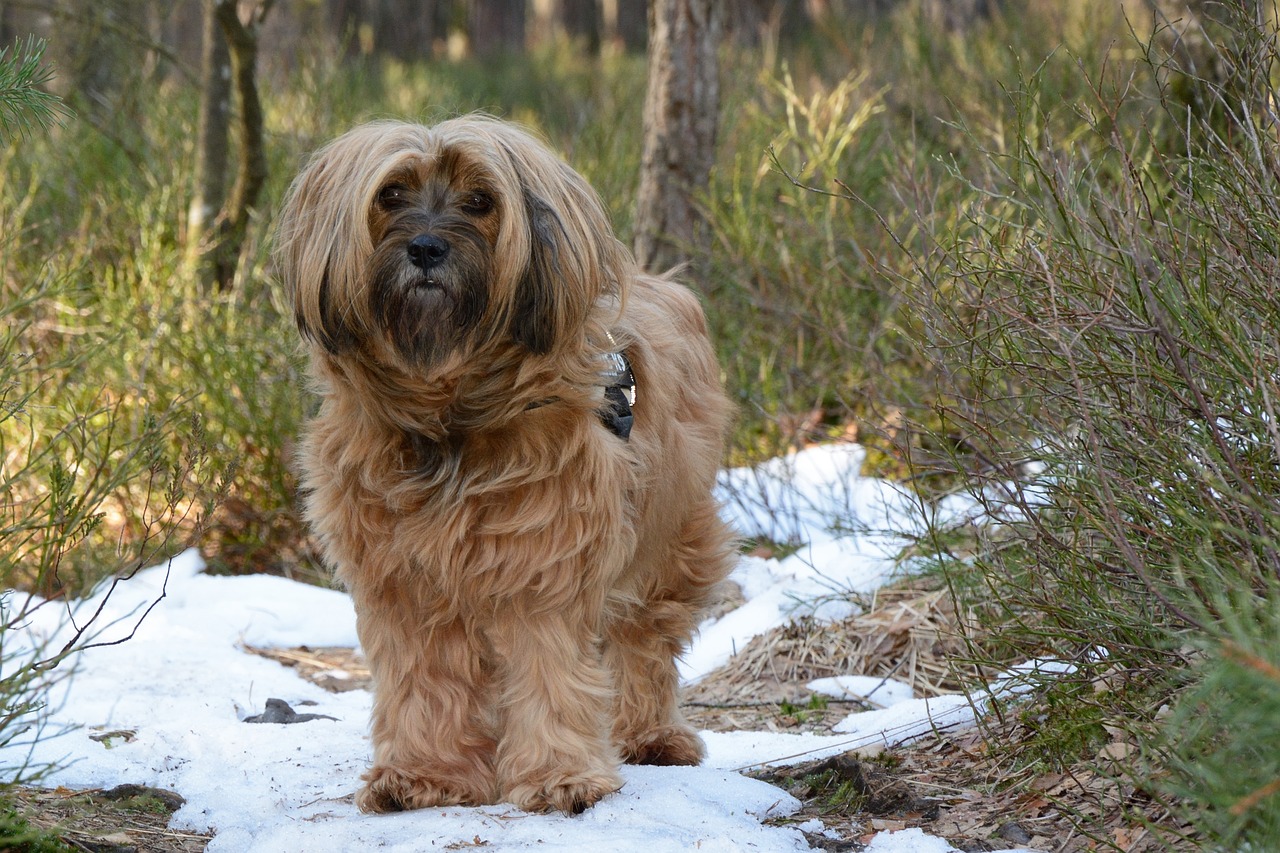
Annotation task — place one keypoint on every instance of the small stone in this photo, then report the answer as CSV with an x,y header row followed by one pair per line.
x,y
1013,833
278,711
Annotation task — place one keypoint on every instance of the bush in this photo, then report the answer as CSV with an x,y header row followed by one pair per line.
x,y
96,482
1100,298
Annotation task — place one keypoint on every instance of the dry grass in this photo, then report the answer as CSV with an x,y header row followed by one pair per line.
x,y
336,669
907,633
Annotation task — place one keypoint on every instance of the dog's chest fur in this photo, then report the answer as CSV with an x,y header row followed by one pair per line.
x,y
479,517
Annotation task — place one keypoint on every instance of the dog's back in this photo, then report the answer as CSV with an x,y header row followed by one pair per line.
x,y
681,413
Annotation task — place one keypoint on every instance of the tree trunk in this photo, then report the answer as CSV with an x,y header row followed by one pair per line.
x,y
212,127
583,22
409,29
251,174
680,117
230,52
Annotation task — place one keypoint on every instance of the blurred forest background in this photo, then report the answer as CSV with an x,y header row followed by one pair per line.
x,y
1029,249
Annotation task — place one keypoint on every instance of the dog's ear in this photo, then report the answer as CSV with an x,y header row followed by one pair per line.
x,y
313,236
536,314
335,333
318,310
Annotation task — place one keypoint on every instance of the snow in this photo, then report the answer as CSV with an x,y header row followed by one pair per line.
x,y
867,688
167,705
847,530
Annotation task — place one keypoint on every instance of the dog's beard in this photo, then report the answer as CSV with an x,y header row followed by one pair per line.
x,y
428,314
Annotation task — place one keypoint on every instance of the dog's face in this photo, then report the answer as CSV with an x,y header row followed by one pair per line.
x,y
411,242
434,226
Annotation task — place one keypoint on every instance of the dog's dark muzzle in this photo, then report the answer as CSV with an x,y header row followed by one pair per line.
x,y
427,251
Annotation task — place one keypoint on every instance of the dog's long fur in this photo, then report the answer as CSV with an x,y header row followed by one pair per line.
x,y
523,577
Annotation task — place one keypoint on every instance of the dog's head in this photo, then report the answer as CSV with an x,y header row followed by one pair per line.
x,y
413,242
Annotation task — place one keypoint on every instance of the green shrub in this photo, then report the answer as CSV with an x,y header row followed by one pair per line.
x,y
1098,302
96,481
1221,742
17,835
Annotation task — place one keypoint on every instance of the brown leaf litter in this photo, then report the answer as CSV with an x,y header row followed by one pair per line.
x,y
335,668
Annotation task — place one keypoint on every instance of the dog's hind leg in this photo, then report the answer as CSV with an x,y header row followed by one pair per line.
x,y
432,744
642,645
648,727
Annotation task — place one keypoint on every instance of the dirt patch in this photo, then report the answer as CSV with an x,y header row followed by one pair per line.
x,y
123,819
944,786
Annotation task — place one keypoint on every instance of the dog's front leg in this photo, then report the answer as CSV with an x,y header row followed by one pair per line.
x,y
432,741
553,752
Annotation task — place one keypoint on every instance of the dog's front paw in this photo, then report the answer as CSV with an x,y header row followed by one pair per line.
x,y
665,746
571,795
391,790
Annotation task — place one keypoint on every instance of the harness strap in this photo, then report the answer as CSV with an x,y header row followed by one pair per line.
x,y
619,382
619,395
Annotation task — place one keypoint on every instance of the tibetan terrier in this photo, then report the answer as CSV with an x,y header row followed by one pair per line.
x,y
511,466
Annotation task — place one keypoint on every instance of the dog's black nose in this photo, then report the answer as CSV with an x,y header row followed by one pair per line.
x,y
427,251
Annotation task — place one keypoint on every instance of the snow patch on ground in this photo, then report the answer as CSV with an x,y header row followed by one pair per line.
x,y
182,684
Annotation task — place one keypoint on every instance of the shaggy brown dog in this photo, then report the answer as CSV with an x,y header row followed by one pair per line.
x,y
524,573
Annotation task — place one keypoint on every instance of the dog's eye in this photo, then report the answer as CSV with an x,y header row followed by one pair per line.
x,y
393,197
477,204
